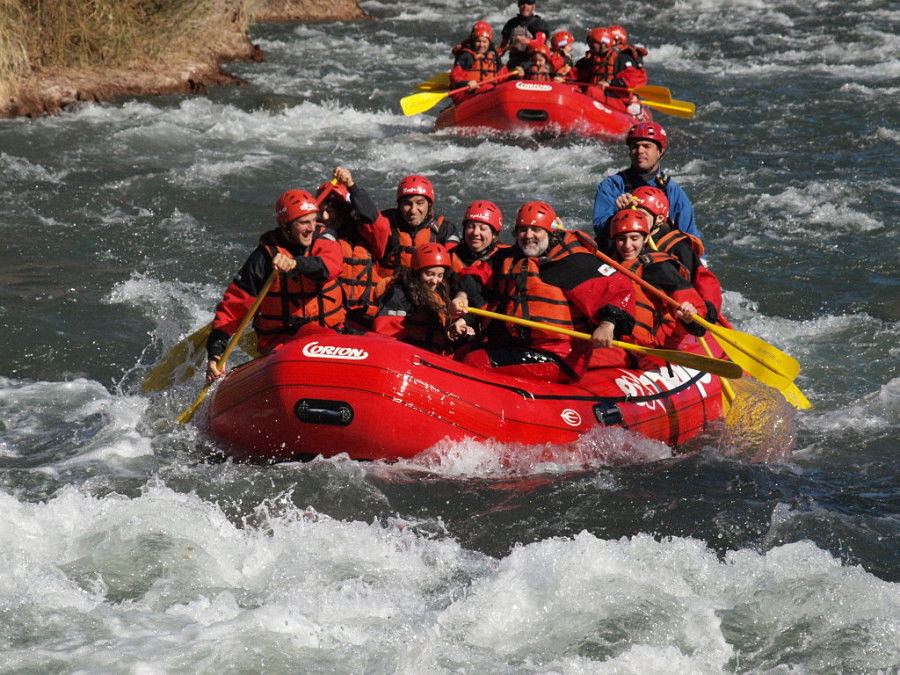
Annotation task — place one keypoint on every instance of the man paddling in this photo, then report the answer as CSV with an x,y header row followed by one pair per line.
x,y
306,289
647,143
550,278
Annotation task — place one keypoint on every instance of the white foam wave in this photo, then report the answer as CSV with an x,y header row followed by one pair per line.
x,y
166,579
34,414
606,446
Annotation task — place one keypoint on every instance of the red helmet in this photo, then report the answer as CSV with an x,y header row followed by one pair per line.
x,y
601,35
620,35
539,47
538,214
653,200
648,131
486,212
482,29
629,220
413,186
430,255
339,193
294,204
561,38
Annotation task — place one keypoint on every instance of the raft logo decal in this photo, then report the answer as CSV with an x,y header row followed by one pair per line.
x,y
533,86
571,417
600,106
319,351
653,382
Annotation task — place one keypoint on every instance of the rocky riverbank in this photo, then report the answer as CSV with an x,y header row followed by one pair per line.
x,y
52,90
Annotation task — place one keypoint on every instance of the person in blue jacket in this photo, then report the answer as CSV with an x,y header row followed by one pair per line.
x,y
647,143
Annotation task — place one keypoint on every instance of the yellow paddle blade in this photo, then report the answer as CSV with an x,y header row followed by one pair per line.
x,y
652,92
676,108
767,355
419,103
180,362
439,81
705,364
766,375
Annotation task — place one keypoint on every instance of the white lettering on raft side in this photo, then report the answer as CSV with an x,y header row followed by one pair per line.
x,y
601,107
317,351
653,381
533,86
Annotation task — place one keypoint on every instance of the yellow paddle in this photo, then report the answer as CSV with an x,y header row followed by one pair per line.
x,y
676,108
180,362
419,103
441,81
727,390
759,359
649,92
188,414
184,359
705,364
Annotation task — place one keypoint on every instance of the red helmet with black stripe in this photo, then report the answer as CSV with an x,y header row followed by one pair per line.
x,y
538,214
482,29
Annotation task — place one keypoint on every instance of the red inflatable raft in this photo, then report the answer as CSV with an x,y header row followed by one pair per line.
x,y
377,398
543,108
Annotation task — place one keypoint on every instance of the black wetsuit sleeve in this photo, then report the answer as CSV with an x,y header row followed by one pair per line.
x,y
363,204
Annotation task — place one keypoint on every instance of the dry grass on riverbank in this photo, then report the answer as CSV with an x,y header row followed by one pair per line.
x,y
55,52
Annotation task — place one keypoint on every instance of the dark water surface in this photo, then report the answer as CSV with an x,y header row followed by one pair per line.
x,y
122,548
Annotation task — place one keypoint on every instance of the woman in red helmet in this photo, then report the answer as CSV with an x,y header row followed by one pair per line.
x,y
476,59
552,279
415,306
538,66
654,325
481,226
561,44
306,289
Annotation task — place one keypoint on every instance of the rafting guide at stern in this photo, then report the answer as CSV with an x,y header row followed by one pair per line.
x,y
647,143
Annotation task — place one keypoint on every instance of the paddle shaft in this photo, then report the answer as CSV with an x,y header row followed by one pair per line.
x,y
419,103
188,414
706,364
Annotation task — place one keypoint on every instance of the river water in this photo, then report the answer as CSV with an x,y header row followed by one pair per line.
x,y
123,548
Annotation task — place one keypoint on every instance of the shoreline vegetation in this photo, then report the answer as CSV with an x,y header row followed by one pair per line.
x,y
56,53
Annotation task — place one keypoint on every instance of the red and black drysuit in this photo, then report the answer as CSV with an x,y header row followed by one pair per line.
x,y
462,256
621,68
470,65
687,249
394,240
309,294
655,325
567,288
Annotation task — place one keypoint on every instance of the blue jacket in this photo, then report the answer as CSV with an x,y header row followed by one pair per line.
x,y
681,212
